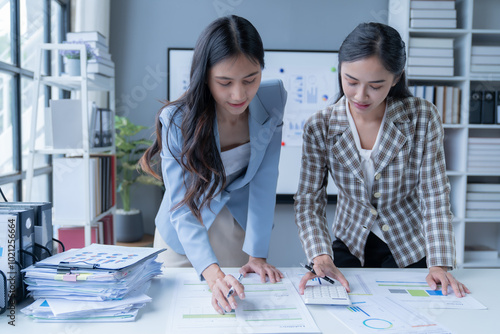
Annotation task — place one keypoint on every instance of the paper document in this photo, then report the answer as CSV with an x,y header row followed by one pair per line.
x,y
412,289
384,314
267,308
407,286
105,257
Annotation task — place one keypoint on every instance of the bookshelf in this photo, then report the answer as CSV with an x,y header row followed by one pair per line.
x,y
477,24
87,198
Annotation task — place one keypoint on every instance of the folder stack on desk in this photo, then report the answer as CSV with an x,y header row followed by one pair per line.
x,y
95,283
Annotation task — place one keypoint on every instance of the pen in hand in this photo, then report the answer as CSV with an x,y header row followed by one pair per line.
x,y
231,291
326,278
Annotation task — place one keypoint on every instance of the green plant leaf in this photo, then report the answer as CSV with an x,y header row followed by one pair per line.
x,y
149,180
128,153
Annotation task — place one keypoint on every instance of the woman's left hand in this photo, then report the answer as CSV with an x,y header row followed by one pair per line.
x,y
261,267
441,275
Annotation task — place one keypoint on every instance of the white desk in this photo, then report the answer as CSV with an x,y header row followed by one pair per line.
x,y
484,284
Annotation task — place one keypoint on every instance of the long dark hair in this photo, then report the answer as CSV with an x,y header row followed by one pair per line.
x,y
383,41
204,175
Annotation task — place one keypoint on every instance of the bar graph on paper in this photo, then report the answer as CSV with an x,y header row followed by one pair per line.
x,y
267,308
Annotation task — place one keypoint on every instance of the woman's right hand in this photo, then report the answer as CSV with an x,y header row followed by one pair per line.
x,y
220,284
323,266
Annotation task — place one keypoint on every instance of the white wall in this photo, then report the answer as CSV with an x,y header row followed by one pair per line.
x,y
141,32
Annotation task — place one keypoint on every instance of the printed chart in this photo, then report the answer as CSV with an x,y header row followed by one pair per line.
x,y
389,301
412,289
267,308
102,256
385,314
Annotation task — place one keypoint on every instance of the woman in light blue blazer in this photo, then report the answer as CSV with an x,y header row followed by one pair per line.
x,y
219,146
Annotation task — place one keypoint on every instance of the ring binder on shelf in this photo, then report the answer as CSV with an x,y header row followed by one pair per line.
x,y
10,278
42,225
25,232
3,292
476,98
488,108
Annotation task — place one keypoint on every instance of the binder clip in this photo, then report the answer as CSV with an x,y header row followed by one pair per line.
x,y
68,267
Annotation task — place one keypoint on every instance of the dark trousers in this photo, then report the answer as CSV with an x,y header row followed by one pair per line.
x,y
377,255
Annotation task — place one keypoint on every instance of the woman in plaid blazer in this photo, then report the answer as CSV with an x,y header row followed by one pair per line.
x,y
384,150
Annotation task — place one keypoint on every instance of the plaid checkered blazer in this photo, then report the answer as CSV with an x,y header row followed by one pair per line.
x,y
410,195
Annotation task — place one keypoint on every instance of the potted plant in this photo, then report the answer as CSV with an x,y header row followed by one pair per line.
x,y
128,152
72,58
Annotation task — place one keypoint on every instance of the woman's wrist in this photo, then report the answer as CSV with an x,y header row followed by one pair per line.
x,y
212,273
323,259
251,258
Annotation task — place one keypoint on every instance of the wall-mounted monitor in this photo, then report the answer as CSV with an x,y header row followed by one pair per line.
x,y
311,80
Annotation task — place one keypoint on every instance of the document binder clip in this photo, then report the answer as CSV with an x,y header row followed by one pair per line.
x,y
68,267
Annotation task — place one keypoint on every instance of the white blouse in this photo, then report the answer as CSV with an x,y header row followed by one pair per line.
x,y
235,161
367,159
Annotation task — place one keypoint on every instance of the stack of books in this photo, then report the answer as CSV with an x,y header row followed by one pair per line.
x,y
483,199
430,57
447,100
95,283
100,64
485,59
484,155
433,14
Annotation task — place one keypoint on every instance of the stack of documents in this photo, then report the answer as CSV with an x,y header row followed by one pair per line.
x,y
95,283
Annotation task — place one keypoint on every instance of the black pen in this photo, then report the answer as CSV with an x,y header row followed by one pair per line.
x,y
326,278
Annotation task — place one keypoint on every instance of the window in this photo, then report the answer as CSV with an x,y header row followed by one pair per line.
x,y
5,33
35,22
6,142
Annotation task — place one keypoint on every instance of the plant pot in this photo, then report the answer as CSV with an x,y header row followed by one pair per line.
x,y
128,225
72,67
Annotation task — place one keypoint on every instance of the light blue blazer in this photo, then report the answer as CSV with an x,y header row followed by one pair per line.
x,y
250,198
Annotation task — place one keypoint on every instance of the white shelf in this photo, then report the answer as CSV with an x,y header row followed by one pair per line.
x,y
454,173
487,230
482,174
484,126
75,151
75,83
484,77
89,201
453,126
436,78
482,220
486,31
448,32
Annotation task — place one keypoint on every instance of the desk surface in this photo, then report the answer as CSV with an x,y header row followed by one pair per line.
x,y
152,318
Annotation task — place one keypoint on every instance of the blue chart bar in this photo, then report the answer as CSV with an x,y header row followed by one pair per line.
x,y
312,95
357,309
297,88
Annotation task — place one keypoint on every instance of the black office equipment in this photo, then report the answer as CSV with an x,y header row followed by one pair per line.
x,y
25,233
488,108
497,106
476,98
43,245
3,292
11,285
